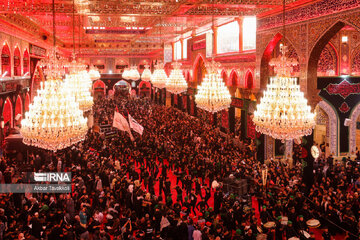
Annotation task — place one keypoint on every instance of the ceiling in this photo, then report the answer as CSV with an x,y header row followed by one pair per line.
x,y
134,28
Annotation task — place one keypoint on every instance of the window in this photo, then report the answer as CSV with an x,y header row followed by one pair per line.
x,y
177,50
184,48
228,38
249,33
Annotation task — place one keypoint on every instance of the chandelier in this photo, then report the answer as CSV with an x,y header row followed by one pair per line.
x,y
125,74
176,83
159,77
146,74
134,73
212,95
79,85
94,73
54,120
283,112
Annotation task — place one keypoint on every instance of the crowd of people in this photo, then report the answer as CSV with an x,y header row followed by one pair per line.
x,y
170,183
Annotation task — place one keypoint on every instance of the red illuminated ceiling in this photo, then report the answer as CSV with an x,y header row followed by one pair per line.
x,y
129,27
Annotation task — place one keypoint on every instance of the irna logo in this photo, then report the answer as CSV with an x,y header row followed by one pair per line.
x,y
52,177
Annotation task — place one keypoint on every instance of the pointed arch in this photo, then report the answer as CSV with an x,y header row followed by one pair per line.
x,y
249,79
316,50
268,54
333,126
199,69
233,78
27,102
224,76
5,60
8,112
26,62
17,61
19,107
99,86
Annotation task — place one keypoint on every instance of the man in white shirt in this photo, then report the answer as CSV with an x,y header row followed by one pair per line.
x,y
197,233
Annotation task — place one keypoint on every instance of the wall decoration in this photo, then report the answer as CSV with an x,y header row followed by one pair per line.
x,y
344,108
327,64
344,89
354,124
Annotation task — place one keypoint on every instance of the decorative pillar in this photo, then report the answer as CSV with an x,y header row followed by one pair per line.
x,y
181,45
214,28
240,22
269,147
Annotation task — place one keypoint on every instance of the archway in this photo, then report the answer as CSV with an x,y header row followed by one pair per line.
x,y
18,110
328,61
144,89
122,88
199,70
17,62
315,54
7,115
354,132
5,61
249,80
272,51
27,102
326,113
99,89
26,61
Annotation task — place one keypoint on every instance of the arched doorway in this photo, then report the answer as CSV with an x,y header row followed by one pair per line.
x,y
199,70
122,88
5,61
99,89
326,128
249,80
26,63
144,89
17,62
7,116
18,110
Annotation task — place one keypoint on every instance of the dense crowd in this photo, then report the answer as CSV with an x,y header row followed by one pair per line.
x,y
167,184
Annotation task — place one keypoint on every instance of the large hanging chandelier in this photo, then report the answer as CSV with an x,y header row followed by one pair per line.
x,y
79,85
159,77
94,73
283,112
134,73
54,120
176,83
125,75
146,74
212,95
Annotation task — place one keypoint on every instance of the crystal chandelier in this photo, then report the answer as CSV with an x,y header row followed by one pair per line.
x,y
125,74
134,73
212,95
94,73
146,74
176,83
79,85
283,112
159,77
54,120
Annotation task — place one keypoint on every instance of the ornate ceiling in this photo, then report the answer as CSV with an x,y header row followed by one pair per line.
x,y
128,27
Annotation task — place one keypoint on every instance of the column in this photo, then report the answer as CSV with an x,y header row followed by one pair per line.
x,y
240,22
214,28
